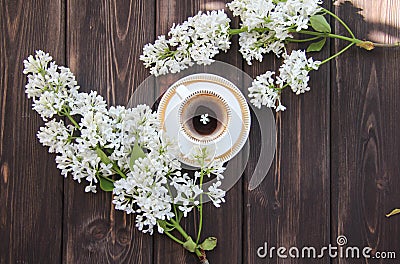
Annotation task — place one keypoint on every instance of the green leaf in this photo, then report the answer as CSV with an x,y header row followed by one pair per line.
x,y
394,212
319,24
209,243
190,245
316,46
105,184
103,156
137,152
165,225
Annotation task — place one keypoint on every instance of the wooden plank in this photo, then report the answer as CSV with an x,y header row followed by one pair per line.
x,y
365,132
105,39
30,185
226,222
292,205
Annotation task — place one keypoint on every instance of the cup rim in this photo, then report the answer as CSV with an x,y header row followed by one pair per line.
x,y
211,139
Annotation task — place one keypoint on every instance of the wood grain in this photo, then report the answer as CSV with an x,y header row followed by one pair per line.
x,y
30,185
105,39
365,144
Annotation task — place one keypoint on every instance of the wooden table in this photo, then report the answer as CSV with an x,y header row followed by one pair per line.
x,y
336,170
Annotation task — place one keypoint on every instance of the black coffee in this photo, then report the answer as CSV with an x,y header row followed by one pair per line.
x,y
204,115
205,121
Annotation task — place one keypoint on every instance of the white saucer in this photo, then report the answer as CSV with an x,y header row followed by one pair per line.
x,y
227,146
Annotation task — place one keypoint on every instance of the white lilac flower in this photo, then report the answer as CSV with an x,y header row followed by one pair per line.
x,y
254,45
216,194
211,34
49,104
156,182
161,59
253,13
295,13
204,119
130,125
116,129
145,192
91,125
216,168
82,103
55,135
274,15
265,92
269,23
60,78
82,162
294,71
38,63
91,188
35,85
145,123
196,40
187,192
50,86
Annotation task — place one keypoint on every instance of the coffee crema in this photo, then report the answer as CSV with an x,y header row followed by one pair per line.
x,y
204,116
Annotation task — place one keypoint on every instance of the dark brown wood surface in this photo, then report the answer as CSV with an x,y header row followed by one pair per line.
x,y
336,170
31,189
365,160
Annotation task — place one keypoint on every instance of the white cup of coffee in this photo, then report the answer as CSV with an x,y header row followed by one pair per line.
x,y
204,115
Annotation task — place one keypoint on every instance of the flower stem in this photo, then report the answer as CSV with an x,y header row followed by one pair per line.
x,y
330,35
337,54
173,237
384,45
71,119
353,40
340,21
200,208
235,31
368,45
302,40
202,256
361,43
179,228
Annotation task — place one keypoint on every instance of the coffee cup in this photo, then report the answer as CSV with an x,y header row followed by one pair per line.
x,y
203,115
